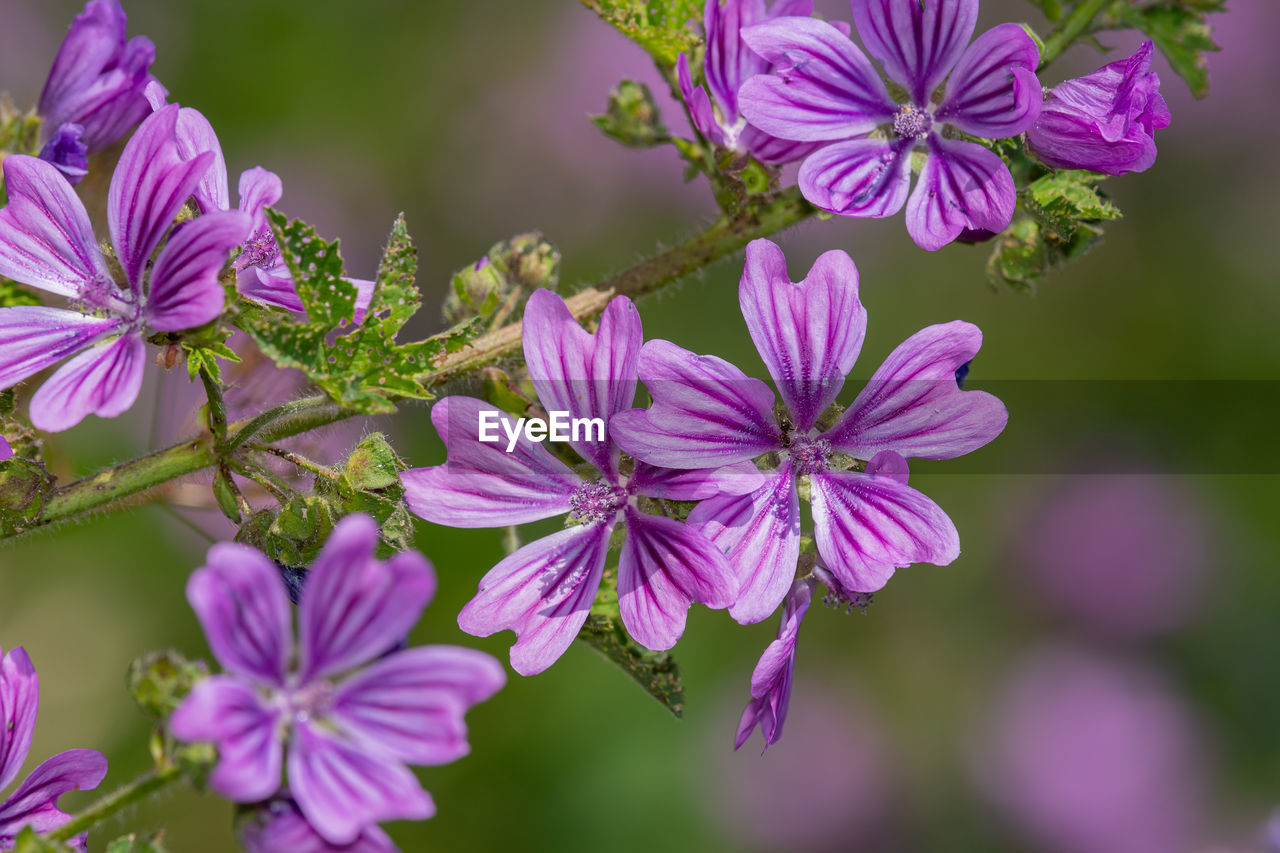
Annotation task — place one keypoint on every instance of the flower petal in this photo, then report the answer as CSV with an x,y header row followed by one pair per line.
x,y
481,485
963,185
243,607
993,91
760,534
46,240
410,704
729,62
150,185
698,103
35,802
33,337
586,375
695,484
542,592
665,567
185,291
808,333
865,526
279,825
195,136
822,88
706,413
918,41
227,711
913,405
861,177
102,381
258,189
355,606
342,790
67,152
19,703
771,679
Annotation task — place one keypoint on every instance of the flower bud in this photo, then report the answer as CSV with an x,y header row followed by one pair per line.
x,y
1105,121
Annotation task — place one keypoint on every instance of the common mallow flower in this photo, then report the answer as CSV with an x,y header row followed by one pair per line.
x,y
544,590
6,451
349,715
866,519
46,241
94,93
35,802
261,271
825,90
728,64
1105,121
278,825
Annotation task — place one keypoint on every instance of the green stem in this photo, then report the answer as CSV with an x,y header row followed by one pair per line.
x,y
134,792
1070,29
130,478
217,406
727,235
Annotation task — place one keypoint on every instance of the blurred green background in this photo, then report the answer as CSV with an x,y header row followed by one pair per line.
x,y
472,119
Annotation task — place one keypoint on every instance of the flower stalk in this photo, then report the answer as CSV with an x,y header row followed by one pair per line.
x,y
130,794
1072,27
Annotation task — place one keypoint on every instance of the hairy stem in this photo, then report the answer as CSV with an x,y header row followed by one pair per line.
x,y
1071,28
726,236
131,794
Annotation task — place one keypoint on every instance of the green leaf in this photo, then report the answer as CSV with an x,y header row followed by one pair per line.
x,y
360,367
632,117
1179,29
656,672
1061,201
661,27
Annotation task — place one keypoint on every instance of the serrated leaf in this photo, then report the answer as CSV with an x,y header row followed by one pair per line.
x,y
360,367
661,27
1179,29
1062,201
656,672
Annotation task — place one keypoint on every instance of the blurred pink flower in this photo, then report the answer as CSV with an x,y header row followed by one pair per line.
x,y
1123,556
1090,755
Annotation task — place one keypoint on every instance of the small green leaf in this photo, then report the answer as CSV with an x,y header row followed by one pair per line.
x,y
1060,201
661,27
134,844
656,672
360,367
1180,30
632,117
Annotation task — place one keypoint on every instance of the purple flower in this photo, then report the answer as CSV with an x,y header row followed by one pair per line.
x,y
46,241
35,802
771,680
867,521
824,90
261,272
352,716
728,64
279,825
6,452
97,81
66,150
544,590
1105,121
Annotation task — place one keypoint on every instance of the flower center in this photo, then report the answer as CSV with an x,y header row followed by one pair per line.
x,y
911,122
308,701
810,455
101,293
597,501
260,250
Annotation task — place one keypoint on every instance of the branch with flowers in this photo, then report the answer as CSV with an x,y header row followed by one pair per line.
x,y
695,499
